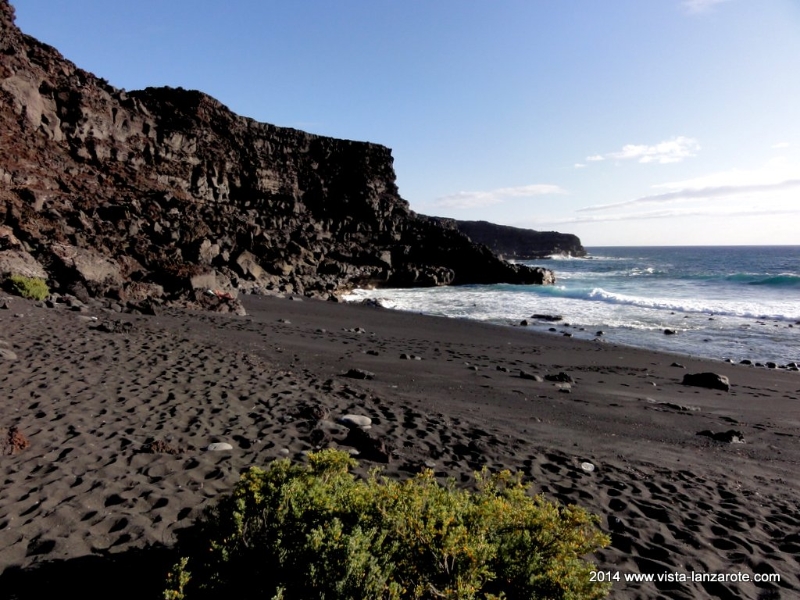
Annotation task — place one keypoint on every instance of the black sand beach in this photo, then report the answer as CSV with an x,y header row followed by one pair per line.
x,y
118,423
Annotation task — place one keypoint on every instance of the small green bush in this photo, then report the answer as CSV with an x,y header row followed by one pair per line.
x,y
316,532
32,288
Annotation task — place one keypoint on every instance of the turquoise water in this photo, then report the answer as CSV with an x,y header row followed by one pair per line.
x,y
724,302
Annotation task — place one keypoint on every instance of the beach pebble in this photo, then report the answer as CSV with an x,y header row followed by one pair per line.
x,y
354,330
524,323
669,332
219,447
729,437
7,354
561,377
587,466
678,365
530,376
356,421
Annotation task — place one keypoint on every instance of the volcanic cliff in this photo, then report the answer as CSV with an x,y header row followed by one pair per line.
x,y
163,194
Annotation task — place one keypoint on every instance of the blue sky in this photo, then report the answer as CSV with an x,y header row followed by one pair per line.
x,y
626,122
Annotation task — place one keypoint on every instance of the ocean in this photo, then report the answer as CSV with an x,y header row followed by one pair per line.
x,y
732,302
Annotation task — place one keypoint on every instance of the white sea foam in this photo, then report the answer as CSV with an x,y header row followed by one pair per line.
x,y
723,303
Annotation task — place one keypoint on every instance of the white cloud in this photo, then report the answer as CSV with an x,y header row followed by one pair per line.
x,y
770,189
774,171
580,166
669,151
478,199
700,6
716,212
706,193
781,145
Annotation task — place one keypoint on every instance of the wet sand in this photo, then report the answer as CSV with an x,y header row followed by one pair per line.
x,y
118,419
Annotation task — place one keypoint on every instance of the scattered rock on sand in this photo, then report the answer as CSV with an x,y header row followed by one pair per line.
x,y
729,437
352,421
530,376
359,374
674,406
550,318
561,377
712,381
7,354
587,466
219,447
670,332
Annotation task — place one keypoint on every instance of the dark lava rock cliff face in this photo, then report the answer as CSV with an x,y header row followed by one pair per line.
x,y
163,194
514,243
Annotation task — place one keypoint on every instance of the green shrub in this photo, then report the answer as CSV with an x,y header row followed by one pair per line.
x,y
32,288
316,532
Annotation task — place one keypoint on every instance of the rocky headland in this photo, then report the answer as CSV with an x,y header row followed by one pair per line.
x,y
163,194
515,243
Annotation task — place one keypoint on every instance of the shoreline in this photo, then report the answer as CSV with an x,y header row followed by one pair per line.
x,y
687,335
92,402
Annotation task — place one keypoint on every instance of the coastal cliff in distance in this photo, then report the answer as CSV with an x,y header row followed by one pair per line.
x,y
514,243
162,194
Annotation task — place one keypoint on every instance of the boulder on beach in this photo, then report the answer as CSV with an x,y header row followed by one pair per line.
x,y
712,381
